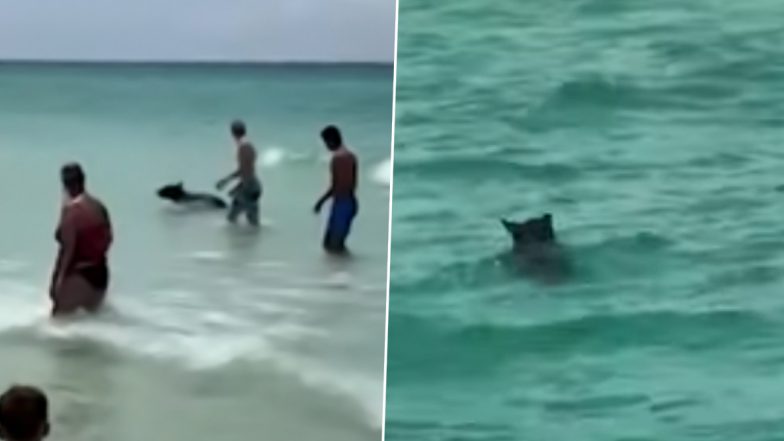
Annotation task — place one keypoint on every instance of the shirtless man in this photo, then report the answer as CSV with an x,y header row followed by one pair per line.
x,y
246,194
342,191
81,274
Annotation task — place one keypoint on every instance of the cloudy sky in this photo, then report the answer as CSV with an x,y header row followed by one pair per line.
x,y
229,30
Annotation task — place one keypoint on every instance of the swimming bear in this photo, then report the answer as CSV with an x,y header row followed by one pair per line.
x,y
177,194
532,233
535,248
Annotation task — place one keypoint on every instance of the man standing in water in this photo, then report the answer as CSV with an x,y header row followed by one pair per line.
x,y
246,194
81,274
24,414
342,191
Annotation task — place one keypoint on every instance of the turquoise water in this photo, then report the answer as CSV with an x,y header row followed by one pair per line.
x,y
653,131
211,332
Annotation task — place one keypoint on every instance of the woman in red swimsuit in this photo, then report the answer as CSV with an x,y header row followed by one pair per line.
x,y
81,275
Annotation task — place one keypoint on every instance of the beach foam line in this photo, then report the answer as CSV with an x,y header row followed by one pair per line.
x,y
207,255
218,351
273,156
204,346
22,304
364,393
382,173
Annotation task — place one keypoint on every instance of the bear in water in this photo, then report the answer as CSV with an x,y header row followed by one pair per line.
x,y
535,248
177,194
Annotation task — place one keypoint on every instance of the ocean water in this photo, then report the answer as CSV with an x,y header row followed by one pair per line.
x,y
654,134
211,332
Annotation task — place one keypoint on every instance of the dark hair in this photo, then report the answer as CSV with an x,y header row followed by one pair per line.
x,y
72,176
238,129
332,137
24,411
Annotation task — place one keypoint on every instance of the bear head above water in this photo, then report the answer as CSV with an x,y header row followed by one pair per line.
x,y
172,192
532,232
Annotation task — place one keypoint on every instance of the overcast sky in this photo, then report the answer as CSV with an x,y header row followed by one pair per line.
x,y
231,30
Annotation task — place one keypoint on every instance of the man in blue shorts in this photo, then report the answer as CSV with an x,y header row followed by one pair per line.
x,y
342,191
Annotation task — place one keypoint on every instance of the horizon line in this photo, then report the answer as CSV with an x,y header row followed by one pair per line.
x,y
140,62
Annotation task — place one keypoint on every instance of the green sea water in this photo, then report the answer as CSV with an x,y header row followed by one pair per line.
x,y
654,134
211,332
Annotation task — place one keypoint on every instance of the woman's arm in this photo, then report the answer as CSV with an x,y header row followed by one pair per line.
x,y
67,236
108,220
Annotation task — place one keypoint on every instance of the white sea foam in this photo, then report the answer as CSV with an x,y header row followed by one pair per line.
x,y
270,265
198,340
365,392
382,173
341,280
207,255
272,156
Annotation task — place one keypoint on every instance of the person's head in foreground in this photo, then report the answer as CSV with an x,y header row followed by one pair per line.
x,y
238,130
24,414
73,179
332,138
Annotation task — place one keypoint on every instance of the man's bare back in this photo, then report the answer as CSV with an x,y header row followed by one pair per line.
x,y
342,191
344,172
246,160
247,193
